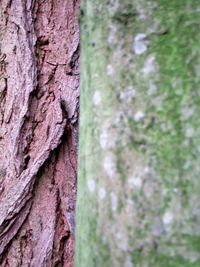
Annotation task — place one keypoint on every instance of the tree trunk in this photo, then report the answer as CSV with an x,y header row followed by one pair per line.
x,y
138,191
39,80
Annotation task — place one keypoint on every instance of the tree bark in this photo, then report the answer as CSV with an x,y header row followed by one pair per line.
x,y
138,189
39,98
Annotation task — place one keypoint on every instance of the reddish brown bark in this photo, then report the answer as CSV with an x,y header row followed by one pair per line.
x,y
39,97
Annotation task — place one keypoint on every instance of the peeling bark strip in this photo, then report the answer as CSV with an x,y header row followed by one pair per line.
x,y
39,100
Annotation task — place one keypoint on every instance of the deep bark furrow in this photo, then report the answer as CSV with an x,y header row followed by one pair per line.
x,y
13,229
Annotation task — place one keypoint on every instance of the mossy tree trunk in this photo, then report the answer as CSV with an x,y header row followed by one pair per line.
x,y
138,187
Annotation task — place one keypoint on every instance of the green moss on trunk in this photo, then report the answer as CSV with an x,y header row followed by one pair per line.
x,y
138,186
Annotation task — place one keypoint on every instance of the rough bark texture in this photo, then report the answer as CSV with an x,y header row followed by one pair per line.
x,y
138,191
39,98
